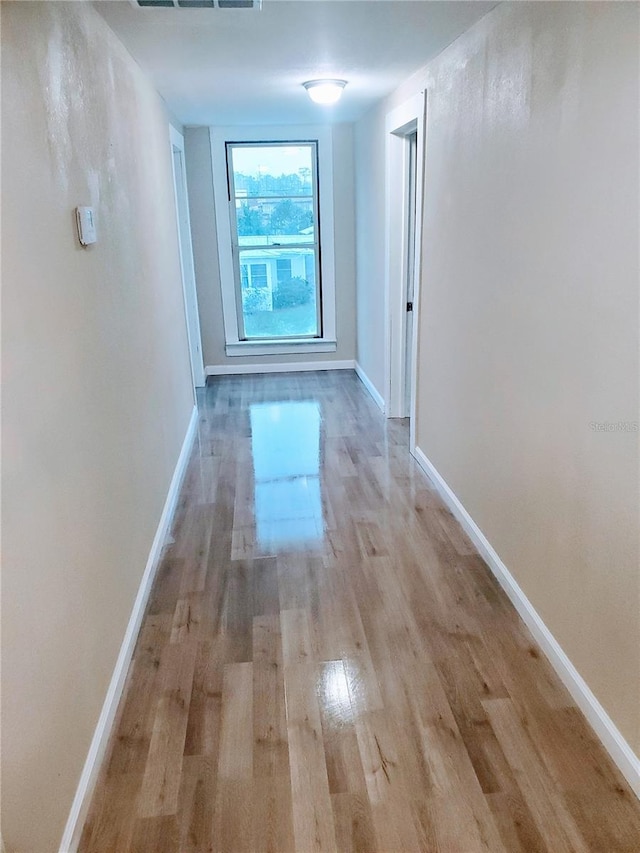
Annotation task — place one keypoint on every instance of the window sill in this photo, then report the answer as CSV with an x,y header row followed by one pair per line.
x,y
280,347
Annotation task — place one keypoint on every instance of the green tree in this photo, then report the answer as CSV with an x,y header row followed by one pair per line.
x,y
249,222
290,218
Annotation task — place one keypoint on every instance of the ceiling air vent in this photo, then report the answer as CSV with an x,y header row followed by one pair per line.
x,y
199,4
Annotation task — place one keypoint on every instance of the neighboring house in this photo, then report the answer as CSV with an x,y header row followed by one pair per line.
x,y
275,266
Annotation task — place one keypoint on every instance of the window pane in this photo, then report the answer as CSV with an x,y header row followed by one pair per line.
x,y
268,222
273,170
273,193
276,305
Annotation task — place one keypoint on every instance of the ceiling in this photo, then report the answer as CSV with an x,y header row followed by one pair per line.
x,y
241,66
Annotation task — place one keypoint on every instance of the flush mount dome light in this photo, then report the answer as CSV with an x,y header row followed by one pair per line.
x,y
325,92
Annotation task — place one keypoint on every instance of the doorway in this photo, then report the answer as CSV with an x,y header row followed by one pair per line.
x,y
404,171
411,141
192,318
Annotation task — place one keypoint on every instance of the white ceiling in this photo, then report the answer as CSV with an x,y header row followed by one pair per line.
x,y
239,66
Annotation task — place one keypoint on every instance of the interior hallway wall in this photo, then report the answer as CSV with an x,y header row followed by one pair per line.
x,y
205,252
529,312
370,244
96,394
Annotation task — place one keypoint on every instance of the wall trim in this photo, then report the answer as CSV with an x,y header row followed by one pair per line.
x,y
89,775
371,388
277,367
288,347
613,741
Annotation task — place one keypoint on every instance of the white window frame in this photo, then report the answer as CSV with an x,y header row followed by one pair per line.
x,y
219,136
239,247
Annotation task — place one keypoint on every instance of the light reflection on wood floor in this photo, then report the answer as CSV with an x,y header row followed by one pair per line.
x,y
327,665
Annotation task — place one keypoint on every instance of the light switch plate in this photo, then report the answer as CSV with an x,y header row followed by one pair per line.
x,y
86,225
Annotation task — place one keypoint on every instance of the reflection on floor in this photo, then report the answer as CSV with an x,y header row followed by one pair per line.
x,y
327,665
285,445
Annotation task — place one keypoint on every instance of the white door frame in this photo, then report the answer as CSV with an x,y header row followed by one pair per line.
x,y
406,119
192,317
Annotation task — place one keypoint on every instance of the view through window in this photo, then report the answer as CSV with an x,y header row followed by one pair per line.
x,y
274,191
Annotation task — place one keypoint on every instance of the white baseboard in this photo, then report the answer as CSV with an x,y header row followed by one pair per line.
x,y
88,778
626,760
371,388
279,367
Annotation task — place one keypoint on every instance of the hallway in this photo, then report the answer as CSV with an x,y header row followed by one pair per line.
x,y
326,664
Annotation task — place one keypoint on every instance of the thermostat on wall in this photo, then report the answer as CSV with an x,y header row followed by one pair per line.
x,y
86,225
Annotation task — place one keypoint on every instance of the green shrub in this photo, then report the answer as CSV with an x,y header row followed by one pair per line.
x,y
255,299
291,292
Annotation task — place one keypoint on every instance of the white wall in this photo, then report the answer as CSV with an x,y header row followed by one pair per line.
x,y
96,388
529,311
370,242
370,165
203,223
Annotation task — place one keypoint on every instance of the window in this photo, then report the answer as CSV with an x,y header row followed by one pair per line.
x,y
273,190
273,201
283,270
259,275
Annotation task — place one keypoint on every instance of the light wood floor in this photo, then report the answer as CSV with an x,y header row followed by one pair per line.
x,y
327,665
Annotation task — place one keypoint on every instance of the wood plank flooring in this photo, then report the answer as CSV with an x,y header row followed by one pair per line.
x,y
327,665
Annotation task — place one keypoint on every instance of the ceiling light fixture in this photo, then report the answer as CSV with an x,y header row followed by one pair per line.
x,y
325,92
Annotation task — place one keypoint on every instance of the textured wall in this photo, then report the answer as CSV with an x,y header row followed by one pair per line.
x,y
529,311
529,316
370,242
96,388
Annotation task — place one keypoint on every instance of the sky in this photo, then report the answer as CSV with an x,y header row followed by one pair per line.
x,y
273,160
